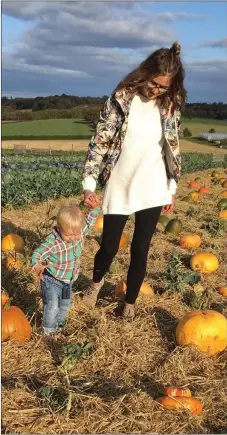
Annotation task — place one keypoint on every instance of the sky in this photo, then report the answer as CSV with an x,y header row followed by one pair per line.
x,y
86,48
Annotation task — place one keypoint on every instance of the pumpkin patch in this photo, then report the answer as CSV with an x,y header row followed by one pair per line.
x,y
130,362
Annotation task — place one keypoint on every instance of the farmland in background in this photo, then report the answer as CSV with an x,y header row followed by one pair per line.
x,y
80,129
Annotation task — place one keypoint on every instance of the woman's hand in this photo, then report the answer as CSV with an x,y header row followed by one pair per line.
x,y
168,208
90,199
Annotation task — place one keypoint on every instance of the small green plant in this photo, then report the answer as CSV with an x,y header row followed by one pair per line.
x,y
73,352
212,130
216,227
190,211
197,301
176,279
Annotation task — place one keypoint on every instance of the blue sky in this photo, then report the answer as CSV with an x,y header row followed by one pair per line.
x,y
85,48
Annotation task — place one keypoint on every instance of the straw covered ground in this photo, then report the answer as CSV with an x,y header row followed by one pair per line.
x,y
103,374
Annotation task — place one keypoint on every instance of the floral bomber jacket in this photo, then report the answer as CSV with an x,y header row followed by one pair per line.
x,y
105,146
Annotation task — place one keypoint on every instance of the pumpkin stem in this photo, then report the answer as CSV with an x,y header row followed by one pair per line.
x,y
7,305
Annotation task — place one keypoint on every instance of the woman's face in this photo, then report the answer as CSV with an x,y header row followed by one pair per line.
x,y
156,87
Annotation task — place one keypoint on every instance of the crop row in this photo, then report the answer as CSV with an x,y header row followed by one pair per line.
x,y
10,157
20,187
38,166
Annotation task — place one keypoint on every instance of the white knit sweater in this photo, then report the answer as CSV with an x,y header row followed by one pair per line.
x,y
138,180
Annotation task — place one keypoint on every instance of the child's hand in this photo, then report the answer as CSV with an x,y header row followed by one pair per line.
x,y
39,268
90,199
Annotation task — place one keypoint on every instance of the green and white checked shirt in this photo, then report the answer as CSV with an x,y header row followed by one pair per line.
x,y
63,258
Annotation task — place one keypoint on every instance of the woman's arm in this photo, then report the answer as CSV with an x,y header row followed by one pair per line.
x,y
100,143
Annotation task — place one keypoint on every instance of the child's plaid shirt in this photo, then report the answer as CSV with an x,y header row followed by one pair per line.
x,y
63,258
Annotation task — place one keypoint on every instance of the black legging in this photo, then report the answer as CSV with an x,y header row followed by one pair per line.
x,y
145,224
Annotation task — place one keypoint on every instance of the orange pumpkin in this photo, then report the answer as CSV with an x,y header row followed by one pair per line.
x,y
194,185
145,289
190,241
194,196
177,392
203,190
222,291
223,214
215,174
15,325
181,403
12,242
206,329
204,262
12,263
224,193
123,241
99,223
4,298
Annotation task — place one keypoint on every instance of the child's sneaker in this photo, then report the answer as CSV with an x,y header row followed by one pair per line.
x,y
91,293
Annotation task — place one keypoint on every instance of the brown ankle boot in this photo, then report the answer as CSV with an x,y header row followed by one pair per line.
x,y
91,293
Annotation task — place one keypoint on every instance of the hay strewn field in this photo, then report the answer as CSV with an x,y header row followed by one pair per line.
x,y
82,145
113,389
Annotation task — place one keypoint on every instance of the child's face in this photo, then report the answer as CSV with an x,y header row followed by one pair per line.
x,y
68,234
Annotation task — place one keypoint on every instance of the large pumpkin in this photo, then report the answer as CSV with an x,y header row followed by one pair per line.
x,y
224,193
222,204
99,223
145,289
174,226
223,214
177,392
12,242
204,262
181,403
4,298
15,325
205,329
194,185
190,241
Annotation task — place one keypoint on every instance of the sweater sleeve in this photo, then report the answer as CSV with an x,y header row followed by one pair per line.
x,y
172,185
100,143
43,252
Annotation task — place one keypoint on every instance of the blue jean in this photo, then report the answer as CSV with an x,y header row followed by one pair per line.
x,y
57,300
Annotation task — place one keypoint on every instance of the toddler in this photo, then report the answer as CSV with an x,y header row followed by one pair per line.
x,y
57,260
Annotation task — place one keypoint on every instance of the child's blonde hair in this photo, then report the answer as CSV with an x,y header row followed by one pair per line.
x,y
70,216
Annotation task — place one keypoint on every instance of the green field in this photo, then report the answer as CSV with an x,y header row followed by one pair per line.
x,y
199,125
47,129
79,129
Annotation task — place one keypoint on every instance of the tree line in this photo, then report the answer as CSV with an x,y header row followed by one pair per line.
x,y
69,106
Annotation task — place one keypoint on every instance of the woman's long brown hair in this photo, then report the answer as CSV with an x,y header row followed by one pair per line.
x,y
165,61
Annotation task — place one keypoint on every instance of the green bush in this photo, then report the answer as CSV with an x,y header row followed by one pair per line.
x,y
187,132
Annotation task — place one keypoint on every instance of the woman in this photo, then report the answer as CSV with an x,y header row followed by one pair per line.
x,y
134,154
